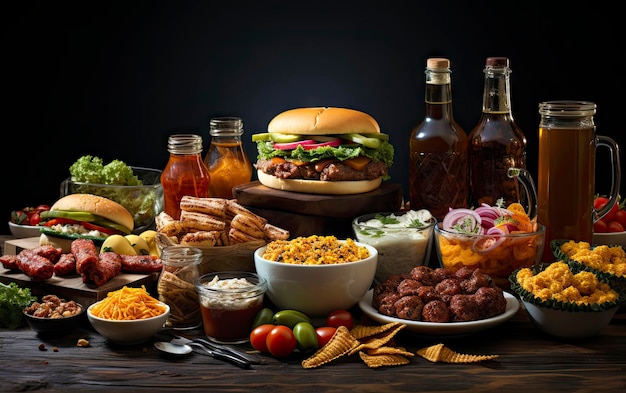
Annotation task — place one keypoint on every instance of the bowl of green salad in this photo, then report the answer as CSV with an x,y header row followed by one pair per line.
x,y
138,189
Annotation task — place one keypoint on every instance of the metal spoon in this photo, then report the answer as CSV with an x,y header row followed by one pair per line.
x,y
173,349
183,349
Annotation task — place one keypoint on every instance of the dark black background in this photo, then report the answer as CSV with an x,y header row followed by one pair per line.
x,y
115,78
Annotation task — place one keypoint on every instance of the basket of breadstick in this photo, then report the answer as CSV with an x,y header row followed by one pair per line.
x,y
225,231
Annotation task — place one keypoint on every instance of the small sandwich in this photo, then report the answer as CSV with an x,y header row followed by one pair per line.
x,y
323,150
86,216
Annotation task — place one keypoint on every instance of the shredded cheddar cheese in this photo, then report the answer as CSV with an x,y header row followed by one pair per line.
x,y
128,304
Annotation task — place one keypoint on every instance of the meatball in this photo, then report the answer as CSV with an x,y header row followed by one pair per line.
x,y
436,311
409,307
477,280
428,293
409,286
464,308
491,301
423,274
386,304
441,273
464,273
448,288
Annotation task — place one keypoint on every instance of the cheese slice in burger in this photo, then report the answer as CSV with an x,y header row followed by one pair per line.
x,y
323,150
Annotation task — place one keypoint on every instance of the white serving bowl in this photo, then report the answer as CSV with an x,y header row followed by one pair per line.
x,y
128,332
317,290
400,248
569,324
610,239
21,231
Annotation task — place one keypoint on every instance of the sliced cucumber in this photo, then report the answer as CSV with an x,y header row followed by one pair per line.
x,y
78,216
372,143
284,138
377,135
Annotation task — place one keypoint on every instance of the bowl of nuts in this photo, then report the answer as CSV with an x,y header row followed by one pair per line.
x,y
54,315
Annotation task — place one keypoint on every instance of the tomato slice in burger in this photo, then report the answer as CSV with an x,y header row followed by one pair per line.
x,y
94,227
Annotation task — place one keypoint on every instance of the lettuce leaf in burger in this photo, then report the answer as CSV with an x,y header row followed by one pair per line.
x,y
323,150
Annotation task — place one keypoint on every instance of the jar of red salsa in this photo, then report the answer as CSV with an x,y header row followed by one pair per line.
x,y
185,172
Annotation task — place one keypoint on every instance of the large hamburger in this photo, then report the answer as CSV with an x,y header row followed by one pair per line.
x,y
323,150
88,216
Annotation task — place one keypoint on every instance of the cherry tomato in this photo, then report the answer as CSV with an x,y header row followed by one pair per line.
x,y
340,318
281,341
599,202
620,217
600,226
258,336
324,334
615,226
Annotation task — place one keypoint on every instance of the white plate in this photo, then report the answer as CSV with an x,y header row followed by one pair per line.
x,y
439,328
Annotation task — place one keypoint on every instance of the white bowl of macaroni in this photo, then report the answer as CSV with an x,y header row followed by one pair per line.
x,y
403,239
316,274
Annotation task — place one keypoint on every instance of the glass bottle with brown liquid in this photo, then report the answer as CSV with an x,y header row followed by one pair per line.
x,y
496,143
185,172
226,158
438,172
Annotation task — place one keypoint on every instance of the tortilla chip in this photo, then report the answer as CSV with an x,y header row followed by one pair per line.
x,y
380,339
387,350
340,344
375,361
440,353
361,331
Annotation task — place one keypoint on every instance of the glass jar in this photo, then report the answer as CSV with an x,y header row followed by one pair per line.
x,y
185,172
226,158
438,173
229,302
176,286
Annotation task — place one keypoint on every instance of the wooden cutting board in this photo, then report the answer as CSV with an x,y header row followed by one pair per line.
x,y
386,198
71,287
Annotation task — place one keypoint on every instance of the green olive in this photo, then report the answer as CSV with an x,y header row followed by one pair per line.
x,y
306,338
263,317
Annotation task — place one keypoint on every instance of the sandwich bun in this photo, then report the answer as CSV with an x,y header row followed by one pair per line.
x,y
319,186
323,121
97,205
64,243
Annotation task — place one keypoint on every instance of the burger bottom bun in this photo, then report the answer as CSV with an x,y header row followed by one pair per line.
x,y
57,242
319,186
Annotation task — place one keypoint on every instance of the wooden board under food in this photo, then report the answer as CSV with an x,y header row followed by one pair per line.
x,y
386,198
71,287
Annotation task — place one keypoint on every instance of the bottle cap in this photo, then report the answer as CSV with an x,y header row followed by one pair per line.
x,y
184,144
226,126
437,62
497,62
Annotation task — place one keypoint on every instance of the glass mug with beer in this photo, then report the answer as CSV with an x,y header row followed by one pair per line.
x,y
566,175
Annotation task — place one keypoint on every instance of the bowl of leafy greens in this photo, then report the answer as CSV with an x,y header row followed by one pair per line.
x,y
138,189
13,299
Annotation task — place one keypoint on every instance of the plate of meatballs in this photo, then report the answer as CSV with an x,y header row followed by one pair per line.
x,y
439,301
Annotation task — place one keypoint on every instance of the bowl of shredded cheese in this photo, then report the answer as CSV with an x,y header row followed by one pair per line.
x,y
128,316
316,274
566,302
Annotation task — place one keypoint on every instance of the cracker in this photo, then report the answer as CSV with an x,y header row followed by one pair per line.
x,y
387,350
375,361
440,353
340,344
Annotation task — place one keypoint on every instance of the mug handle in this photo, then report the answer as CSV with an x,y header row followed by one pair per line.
x,y
528,183
615,180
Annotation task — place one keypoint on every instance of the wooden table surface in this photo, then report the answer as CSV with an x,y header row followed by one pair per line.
x,y
528,360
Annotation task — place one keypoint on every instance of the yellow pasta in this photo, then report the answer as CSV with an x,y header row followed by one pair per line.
x,y
128,304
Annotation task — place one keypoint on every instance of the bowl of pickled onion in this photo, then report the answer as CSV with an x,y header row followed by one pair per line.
x,y
497,240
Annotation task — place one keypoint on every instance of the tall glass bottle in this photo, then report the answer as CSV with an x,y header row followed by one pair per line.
x,y
226,158
496,143
185,172
438,173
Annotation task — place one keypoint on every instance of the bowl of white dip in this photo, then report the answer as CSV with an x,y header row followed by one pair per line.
x,y
402,239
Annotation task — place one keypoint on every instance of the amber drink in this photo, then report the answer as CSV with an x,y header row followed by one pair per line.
x,y
566,174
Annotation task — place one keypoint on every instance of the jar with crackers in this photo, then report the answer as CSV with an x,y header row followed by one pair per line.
x,y
176,286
